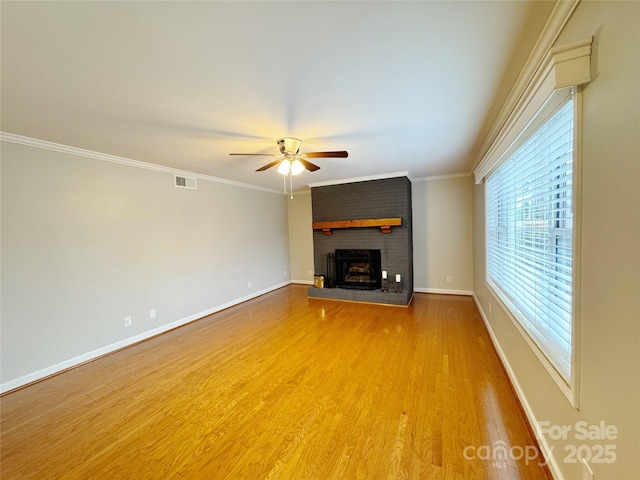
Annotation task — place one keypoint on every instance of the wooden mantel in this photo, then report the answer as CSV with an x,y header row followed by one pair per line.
x,y
385,224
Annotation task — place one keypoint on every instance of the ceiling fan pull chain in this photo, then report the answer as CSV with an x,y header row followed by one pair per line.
x,y
291,184
284,184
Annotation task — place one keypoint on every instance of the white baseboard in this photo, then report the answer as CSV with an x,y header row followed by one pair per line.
x,y
302,282
92,355
444,291
544,445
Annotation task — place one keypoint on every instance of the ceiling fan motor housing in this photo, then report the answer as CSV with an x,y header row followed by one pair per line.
x,y
289,145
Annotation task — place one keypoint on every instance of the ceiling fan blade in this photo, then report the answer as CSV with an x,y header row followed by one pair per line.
x,y
312,167
341,154
256,154
269,165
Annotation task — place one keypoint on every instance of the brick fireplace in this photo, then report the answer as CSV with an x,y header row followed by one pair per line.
x,y
344,207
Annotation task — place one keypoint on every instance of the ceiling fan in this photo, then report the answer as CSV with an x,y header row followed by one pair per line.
x,y
291,161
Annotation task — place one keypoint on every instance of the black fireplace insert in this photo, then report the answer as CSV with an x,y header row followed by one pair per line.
x,y
359,269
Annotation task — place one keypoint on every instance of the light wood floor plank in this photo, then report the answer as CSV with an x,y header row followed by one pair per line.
x,y
281,387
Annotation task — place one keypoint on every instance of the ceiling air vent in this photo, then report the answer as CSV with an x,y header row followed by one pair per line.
x,y
186,182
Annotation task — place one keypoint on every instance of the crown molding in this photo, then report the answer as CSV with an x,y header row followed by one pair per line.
x,y
563,67
381,176
556,22
442,177
80,152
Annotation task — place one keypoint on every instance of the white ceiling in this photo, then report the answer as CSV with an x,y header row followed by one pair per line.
x,y
402,86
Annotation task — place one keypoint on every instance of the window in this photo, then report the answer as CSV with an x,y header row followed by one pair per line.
x,y
530,164
529,232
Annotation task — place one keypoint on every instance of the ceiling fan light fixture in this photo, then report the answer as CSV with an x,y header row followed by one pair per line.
x,y
284,167
290,167
296,167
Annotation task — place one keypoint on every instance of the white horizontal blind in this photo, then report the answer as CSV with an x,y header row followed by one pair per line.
x,y
529,222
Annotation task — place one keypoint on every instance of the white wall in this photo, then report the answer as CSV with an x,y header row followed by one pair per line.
x,y
87,242
442,235
301,238
609,337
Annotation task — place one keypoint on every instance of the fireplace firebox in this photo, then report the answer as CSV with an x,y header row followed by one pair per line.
x,y
359,269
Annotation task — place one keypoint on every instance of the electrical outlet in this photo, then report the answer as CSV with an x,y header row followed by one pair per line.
x,y
152,313
309,272
587,473
448,278
127,321
249,284
284,274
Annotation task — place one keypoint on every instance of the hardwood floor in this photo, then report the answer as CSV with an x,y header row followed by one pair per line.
x,y
285,387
